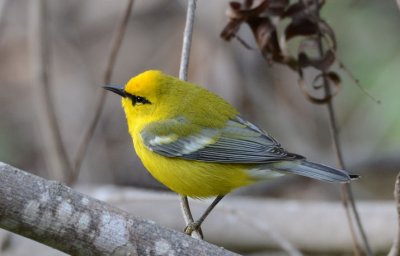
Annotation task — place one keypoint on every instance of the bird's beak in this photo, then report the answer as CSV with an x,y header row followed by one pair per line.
x,y
118,89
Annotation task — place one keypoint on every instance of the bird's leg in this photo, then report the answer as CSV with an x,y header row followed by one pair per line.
x,y
187,214
196,225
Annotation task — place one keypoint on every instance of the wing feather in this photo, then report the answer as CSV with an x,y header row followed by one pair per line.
x,y
238,142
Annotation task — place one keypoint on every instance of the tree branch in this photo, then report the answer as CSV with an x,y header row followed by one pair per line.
x,y
244,223
55,153
183,71
187,40
83,145
62,218
346,192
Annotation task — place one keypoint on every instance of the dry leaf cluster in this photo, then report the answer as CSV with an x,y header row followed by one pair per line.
x,y
317,46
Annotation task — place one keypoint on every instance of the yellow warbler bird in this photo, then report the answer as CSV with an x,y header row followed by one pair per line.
x,y
198,145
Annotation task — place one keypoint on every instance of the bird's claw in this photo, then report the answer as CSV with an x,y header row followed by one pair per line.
x,y
192,227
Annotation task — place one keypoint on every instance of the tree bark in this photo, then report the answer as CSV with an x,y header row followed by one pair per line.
x,y
56,215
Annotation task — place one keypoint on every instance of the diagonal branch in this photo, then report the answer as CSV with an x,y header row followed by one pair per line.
x,y
55,152
56,215
83,145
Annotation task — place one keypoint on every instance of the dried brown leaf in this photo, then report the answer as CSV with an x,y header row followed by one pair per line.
x,y
267,38
333,80
304,22
301,27
239,13
230,30
245,11
277,7
328,34
300,9
323,63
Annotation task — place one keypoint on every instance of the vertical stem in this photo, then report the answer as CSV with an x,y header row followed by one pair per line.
x,y
55,153
346,192
187,40
83,145
183,71
339,158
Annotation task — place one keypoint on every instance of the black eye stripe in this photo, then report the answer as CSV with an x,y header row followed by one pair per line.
x,y
141,100
137,99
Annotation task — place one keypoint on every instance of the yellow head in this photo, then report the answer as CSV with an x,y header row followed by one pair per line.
x,y
141,95
154,96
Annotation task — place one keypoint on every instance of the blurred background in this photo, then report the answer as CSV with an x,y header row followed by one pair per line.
x,y
80,34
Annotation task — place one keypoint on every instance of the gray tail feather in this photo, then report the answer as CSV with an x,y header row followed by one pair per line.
x,y
315,171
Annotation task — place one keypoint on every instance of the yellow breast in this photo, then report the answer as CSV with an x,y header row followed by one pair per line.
x,y
193,178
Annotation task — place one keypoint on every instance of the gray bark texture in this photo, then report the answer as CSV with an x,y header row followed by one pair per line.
x,y
56,215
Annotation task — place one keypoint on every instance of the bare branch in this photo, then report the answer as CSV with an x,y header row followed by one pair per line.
x,y
263,227
183,74
395,250
62,218
356,81
347,194
55,152
245,222
82,148
187,40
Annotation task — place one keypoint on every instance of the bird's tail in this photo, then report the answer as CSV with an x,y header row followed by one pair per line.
x,y
314,171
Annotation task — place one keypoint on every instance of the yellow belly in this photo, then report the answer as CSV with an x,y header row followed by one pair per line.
x,y
193,178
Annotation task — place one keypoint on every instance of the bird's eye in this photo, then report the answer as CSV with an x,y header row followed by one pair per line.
x,y
138,100
141,100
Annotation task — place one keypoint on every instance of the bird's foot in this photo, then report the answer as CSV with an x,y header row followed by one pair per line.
x,y
192,227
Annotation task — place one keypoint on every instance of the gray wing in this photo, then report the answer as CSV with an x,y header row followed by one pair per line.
x,y
238,142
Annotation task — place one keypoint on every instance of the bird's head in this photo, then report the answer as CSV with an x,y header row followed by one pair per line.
x,y
142,95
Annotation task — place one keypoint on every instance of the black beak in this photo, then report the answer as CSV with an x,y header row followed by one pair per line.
x,y
118,89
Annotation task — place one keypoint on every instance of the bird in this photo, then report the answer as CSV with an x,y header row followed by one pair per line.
x,y
198,145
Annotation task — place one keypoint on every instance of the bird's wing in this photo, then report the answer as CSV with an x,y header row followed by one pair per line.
x,y
238,142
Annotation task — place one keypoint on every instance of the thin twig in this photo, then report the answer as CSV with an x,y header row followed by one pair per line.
x,y
187,40
347,194
263,227
56,154
81,152
395,250
183,71
356,81
244,43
